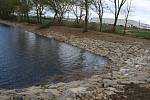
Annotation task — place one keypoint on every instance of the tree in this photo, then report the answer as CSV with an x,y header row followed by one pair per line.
x,y
127,13
39,7
99,9
60,7
23,9
77,9
7,8
118,5
42,5
86,15
36,4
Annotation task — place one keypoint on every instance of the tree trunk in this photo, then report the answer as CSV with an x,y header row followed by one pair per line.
x,y
100,23
116,19
40,13
40,19
37,14
125,26
77,20
81,11
115,23
114,26
54,18
28,19
60,18
86,16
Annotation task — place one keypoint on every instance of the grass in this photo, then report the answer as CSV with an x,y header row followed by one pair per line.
x,y
108,28
46,23
143,34
72,24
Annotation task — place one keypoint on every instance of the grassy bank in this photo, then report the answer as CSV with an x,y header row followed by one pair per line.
x,y
143,34
132,31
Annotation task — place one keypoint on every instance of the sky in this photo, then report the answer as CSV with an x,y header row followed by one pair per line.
x,y
140,11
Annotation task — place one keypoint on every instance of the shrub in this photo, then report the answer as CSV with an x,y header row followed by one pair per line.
x,y
45,25
93,26
32,21
73,24
107,28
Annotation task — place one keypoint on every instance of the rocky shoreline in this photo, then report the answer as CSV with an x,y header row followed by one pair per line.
x,y
131,66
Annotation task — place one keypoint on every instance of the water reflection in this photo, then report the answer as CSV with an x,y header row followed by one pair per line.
x,y
27,59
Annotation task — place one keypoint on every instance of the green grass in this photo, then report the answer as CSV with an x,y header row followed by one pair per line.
x,y
72,24
143,34
46,23
120,29
44,19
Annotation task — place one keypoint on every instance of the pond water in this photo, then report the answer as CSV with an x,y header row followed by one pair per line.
x,y
27,59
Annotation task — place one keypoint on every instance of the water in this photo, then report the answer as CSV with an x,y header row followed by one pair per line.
x,y
27,59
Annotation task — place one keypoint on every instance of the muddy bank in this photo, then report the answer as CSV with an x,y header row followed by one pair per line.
x,y
131,65
132,92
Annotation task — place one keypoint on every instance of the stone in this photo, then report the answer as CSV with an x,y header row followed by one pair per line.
x,y
148,80
53,91
78,90
109,83
124,71
4,97
109,92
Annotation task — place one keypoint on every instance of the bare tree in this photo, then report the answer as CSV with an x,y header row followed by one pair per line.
x,y
35,2
41,7
127,13
99,9
60,7
86,20
86,16
118,5
23,9
78,13
77,9
53,7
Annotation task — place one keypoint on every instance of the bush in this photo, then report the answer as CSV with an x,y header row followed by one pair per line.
x,y
93,26
32,21
107,28
45,25
73,24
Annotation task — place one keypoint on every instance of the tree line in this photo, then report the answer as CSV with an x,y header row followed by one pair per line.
x,y
79,8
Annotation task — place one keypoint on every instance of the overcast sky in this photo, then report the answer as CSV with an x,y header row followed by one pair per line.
x,y
140,8
141,11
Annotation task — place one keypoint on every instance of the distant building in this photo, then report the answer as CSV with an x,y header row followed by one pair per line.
x,y
131,23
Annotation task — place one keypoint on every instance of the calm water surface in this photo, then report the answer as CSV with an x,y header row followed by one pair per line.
x,y
27,59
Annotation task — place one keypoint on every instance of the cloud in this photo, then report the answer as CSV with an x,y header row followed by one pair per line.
x,y
141,11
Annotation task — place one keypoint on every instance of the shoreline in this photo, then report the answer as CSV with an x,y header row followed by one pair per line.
x,y
131,65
